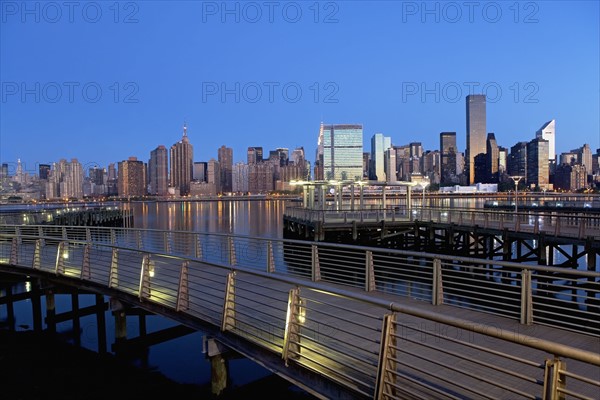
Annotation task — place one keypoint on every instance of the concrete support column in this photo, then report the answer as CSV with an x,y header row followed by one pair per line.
x,y
219,366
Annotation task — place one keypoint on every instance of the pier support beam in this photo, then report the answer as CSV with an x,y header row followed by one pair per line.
x,y
219,366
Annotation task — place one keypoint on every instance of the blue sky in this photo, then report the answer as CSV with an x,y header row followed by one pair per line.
x,y
103,81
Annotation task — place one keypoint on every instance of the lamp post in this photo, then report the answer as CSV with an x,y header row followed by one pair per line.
x,y
423,186
516,179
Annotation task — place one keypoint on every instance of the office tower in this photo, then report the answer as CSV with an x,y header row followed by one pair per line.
x,y
255,155
342,152
432,165
366,164
476,133
517,160
213,175
584,156
548,132
44,171
492,156
402,162
447,157
131,180
158,171
111,181
538,167
379,145
570,177
96,175
260,177
298,158
71,179
569,158
390,164
200,169
225,157
279,156
239,176
502,163
182,164
319,153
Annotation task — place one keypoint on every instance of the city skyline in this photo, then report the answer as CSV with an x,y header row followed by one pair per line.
x,y
211,72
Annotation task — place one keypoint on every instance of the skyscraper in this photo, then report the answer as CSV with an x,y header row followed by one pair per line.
x,y
342,151
225,157
131,180
182,164
255,155
492,157
379,145
158,169
538,167
548,132
448,156
476,133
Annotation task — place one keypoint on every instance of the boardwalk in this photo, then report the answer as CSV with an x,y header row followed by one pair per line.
x,y
367,332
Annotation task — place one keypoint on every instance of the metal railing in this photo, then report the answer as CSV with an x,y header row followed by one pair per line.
x,y
571,225
556,296
374,347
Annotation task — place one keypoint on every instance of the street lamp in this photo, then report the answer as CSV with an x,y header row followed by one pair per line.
x,y
516,179
423,186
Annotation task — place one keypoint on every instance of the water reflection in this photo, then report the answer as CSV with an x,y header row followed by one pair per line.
x,y
240,217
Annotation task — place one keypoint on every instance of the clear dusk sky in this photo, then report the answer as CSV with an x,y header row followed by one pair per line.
x,y
102,81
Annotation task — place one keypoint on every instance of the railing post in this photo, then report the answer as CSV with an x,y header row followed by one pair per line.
x,y
59,267
386,367
437,288
502,221
113,237
293,319
18,235
557,226
37,255
139,239
14,251
231,251
536,225
517,223
315,267
228,317
88,235
167,242
486,221
144,289
526,298
554,379
85,268
113,279
41,235
270,257
183,294
198,246
581,227
369,272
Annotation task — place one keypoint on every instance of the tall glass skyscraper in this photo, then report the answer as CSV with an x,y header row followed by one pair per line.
x,y
379,145
342,152
476,133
